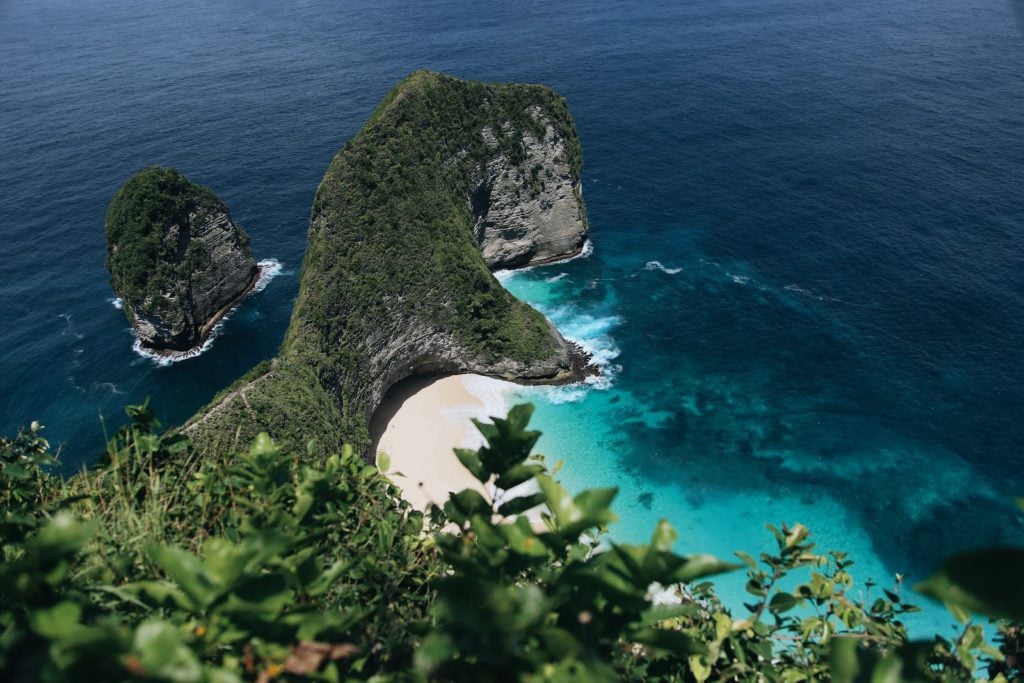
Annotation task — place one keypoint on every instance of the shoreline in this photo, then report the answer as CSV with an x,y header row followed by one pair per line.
x,y
419,423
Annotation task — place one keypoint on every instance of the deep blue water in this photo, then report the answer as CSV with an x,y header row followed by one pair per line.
x,y
834,191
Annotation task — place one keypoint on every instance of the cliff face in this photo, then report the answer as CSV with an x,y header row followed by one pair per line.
x,y
530,211
447,178
176,258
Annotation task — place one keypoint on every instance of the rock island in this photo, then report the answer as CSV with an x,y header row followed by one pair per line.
x,y
176,259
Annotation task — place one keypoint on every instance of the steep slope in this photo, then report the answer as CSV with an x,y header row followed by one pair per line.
x,y
394,282
175,257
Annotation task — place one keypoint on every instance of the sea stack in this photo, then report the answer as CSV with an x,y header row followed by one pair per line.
x,y
176,259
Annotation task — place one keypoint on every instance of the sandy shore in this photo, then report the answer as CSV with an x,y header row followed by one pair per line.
x,y
419,423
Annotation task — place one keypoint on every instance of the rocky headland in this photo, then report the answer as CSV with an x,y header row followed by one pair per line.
x,y
448,180
176,259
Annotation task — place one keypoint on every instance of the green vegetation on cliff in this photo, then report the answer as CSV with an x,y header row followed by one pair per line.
x,y
140,253
393,282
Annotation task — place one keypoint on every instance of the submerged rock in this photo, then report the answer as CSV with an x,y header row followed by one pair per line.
x,y
175,257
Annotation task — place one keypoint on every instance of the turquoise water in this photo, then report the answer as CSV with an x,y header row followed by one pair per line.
x,y
704,452
808,278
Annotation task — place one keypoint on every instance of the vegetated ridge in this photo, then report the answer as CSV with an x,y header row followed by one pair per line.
x,y
447,178
175,257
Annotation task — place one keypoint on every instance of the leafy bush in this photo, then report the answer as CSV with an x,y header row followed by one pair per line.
x,y
165,564
188,566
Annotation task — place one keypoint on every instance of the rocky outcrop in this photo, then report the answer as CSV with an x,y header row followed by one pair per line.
x,y
176,258
448,180
529,211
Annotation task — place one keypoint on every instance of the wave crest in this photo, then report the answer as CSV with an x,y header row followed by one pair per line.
x,y
657,265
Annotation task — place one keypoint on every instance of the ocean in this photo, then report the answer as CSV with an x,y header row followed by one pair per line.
x,y
807,280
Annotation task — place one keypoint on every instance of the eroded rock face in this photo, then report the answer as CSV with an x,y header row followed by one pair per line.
x,y
176,258
529,212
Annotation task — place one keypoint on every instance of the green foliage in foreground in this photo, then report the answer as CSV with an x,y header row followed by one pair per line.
x,y
164,564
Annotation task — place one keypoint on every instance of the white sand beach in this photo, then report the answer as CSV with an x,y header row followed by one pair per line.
x,y
419,423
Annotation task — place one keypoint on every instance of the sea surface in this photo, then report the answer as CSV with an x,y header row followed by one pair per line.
x,y
807,281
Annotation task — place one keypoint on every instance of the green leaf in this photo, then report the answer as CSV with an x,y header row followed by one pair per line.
x,y
435,650
521,504
163,593
383,462
518,474
675,642
521,538
187,571
471,461
982,581
64,535
264,595
843,660
664,536
782,602
596,503
699,668
659,613
163,654
470,502
747,559
56,622
558,643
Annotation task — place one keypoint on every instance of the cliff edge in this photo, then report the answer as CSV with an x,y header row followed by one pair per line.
x,y
175,257
448,179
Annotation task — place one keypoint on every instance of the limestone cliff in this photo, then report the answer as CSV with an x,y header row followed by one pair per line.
x,y
531,211
176,258
447,178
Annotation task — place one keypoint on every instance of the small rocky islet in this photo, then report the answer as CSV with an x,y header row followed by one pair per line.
x,y
176,259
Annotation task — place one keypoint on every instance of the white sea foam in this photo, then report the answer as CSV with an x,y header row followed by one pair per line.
x,y
494,394
109,386
657,265
593,335
739,279
117,302
69,327
806,292
268,270
503,275
567,394
586,252
556,278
